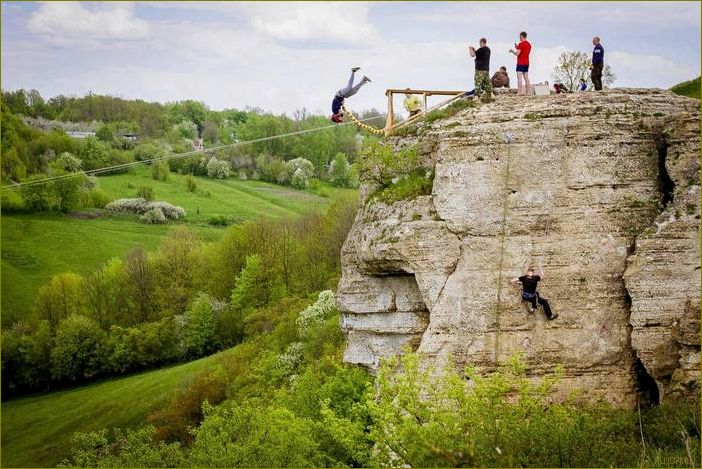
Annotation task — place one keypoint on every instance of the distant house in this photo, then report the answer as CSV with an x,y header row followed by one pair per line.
x,y
79,134
131,137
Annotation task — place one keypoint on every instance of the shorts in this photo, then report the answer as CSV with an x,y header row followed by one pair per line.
x,y
523,68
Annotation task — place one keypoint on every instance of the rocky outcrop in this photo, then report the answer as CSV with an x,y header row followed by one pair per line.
x,y
602,188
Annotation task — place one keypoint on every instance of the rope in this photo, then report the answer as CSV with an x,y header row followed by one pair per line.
x,y
168,157
360,123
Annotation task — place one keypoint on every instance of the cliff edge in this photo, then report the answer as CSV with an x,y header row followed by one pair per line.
x,y
602,188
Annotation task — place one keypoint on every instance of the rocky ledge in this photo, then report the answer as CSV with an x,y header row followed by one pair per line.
x,y
602,188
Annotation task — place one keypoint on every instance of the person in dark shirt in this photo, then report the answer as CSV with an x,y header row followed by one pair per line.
x,y
597,63
344,93
482,68
529,282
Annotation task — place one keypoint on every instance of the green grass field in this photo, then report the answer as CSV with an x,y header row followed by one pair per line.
x,y
37,246
37,430
688,88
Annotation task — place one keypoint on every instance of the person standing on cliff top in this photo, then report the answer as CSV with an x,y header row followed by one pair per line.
x,y
529,282
522,51
344,93
482,68
597,63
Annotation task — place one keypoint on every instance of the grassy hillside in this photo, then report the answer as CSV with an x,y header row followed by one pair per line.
x,y
239,200
37,430
37,246
688,88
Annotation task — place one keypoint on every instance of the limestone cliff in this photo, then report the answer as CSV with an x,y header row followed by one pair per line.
x,y
603,188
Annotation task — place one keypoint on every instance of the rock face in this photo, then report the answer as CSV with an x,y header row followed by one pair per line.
x,y
603,189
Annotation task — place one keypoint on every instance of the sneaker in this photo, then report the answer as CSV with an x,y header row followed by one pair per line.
x,y
553,316
365,78
468,94
355,69
532,310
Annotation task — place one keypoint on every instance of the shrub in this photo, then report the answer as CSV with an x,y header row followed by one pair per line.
x,y
96,198
141,206
135,448
190,183
66,162
184,411
145,192
217,169
37,197
148,151
153,216
218,220
248,434
11,201
160,170
306,167
172,212
273,169
137,206
315,314
299,180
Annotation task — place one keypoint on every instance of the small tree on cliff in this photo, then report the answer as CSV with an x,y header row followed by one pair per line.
x,y
573,66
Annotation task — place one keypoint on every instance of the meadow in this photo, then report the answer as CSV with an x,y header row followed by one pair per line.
x,y
37,246
36,430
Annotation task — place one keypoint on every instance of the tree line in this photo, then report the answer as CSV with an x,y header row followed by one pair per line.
x,y
185,300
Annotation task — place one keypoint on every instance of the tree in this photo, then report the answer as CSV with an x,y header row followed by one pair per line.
x,y
79,350
39,196
256,285
339,171
573,66
201,320
140,277
67,190
61,297
93,154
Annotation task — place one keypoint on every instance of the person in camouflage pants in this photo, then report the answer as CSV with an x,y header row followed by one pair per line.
x,y
483,85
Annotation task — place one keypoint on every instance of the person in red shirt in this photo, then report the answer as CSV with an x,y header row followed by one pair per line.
x,y
522,51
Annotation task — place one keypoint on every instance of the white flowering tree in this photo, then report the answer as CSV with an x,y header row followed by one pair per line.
x,y
217,169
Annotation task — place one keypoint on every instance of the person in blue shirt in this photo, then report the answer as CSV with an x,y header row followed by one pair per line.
x,y
344,93
597,63
582,86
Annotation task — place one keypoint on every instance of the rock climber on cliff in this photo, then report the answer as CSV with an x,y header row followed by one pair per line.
x,y
344,93
529,293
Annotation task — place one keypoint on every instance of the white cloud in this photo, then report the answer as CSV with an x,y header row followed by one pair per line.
x,y
72,22
645,69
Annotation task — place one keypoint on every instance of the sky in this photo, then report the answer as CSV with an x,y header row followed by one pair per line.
x,y
283,56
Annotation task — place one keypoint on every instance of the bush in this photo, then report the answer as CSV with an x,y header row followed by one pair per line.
x,y
145,192
217,169
11,201
248,434
37,197
299,180
172,212
153,216
141,206
184,411
138,206
218,220
190,183
160,170
315,314
273,170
